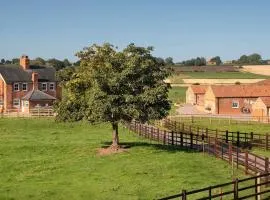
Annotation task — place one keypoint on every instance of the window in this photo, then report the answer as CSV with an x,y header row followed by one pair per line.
x,y
26,104
1,102
16,87
51,86
44,86
235,104
24,87
16,102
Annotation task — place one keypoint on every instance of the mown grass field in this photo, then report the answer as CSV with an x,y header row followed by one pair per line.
x,y
41,159
225,124
178,78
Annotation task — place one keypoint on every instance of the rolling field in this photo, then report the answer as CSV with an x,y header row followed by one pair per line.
x,y
178,78
41,159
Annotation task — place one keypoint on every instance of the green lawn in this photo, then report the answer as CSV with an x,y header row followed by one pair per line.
x,y
215,75
41,159
177,95
226,124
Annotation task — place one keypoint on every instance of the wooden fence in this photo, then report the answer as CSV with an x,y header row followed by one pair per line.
x,y
240,139
249,162
222,119
35,112
255,187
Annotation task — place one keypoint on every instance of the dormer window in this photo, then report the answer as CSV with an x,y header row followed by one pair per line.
x,y
24,86
16,87
44,86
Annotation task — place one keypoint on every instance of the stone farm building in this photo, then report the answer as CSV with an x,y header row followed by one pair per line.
x,y
229,99
25,86
261,108
195,94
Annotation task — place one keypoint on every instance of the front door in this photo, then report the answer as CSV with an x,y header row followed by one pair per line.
x,y
25,106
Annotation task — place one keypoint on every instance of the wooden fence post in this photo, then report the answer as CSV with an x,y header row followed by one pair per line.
x,y
230,153
236,189
181,139
246,162
216,133
266,141
189,128
257,188
158,134
238,139
206,132
266,165
198,130
172,135
191,140
227,136
215,148
184,195
164,137
210,193
251,136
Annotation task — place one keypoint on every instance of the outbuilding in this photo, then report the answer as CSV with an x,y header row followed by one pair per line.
x,y
234,99
195,94
261,109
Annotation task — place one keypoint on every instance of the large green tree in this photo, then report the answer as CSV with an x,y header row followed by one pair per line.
x,y
114,86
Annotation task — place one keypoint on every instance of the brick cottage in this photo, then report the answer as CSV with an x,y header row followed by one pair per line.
x,y
25,86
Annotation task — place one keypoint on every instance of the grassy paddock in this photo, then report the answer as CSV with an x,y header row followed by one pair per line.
x,y
41,159
225,124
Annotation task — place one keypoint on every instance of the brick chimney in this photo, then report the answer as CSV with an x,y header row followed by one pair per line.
x,y
24,62
35,80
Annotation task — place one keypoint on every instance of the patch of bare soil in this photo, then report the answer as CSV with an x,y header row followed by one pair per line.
x,y
111,150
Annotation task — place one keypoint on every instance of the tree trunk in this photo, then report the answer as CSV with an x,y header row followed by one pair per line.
x,y
115,139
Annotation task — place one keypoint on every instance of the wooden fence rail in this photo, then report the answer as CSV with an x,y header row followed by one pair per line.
x,y
255,187
35,112
249,162
240,139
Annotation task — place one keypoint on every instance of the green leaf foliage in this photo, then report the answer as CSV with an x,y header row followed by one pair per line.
x,y
112,85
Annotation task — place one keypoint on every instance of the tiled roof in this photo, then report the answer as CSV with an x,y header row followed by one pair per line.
x,y
14,73
241,90
37,95
266,101
199,89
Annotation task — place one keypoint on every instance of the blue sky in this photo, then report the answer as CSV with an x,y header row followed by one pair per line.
x,y
178,28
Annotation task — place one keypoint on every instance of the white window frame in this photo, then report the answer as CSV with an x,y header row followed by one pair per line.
x,y
52,84
1,102
45,87
18,101
26,86
14,87
235,102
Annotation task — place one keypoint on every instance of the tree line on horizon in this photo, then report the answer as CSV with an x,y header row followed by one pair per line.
x,y
252,59
56,63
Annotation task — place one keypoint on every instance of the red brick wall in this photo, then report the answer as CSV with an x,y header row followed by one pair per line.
x,y
2,87
9,94
225,105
